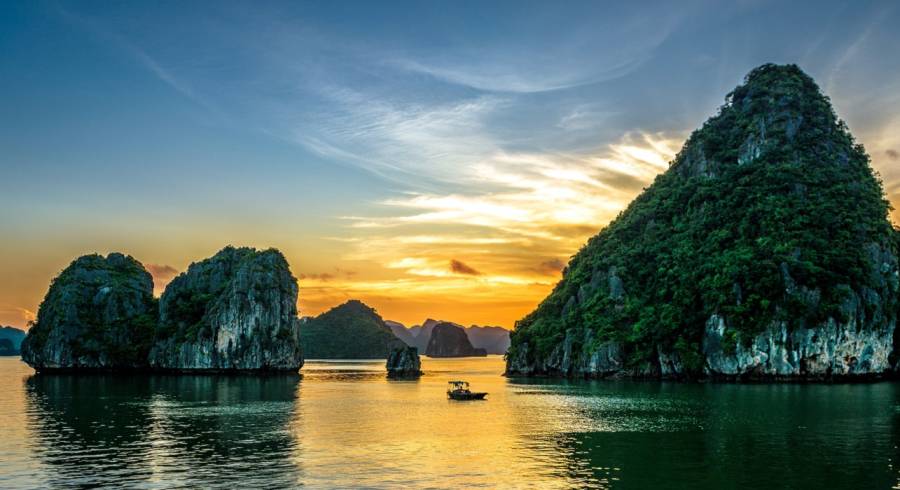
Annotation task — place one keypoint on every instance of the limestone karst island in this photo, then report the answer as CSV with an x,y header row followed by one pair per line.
x,y
442,245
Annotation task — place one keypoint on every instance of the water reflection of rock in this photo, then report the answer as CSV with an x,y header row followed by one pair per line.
x,y
742,436
172,430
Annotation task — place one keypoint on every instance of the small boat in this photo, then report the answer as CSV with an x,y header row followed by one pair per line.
x,y
459,390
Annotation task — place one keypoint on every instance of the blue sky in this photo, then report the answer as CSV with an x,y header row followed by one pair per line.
x,y
377,142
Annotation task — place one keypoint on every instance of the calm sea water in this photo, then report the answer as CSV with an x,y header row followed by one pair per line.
x,y
342,424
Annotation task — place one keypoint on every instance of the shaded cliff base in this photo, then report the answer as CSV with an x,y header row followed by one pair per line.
x,y
832,352
750,378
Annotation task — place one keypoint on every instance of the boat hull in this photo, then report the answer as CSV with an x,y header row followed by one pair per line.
x,y
466,396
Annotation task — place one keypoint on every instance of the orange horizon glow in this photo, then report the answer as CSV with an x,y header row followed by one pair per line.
x,y
485,260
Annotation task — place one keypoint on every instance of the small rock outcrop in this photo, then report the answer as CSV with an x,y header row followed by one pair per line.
x,y
99,314
404,362
450,340
236,311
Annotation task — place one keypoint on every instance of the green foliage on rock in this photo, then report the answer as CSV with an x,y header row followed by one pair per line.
x,y
349,331
769,212
234,310
99,313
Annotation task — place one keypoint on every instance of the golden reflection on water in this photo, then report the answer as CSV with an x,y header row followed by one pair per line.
x,y
387,432
343,424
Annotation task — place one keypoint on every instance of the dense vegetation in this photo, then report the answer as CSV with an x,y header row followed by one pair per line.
x,y
190,299
103,310
349,331
100,313
769,212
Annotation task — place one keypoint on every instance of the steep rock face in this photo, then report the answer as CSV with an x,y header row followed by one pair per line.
x,y
98,314
764,251
234,311
349,331
449,340
404,362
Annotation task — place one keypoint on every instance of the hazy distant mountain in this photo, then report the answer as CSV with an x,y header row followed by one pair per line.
x,y
10,341
401,332
14,335
450,340
349,331
422,333
495,340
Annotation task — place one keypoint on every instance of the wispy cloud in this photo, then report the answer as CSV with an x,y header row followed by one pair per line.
x,y
552,266
16,316
541,205
410,142
496,77
162,276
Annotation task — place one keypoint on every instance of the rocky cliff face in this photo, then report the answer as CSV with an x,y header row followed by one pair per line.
x,y
764,251
99,314
404,362
232,312
449,340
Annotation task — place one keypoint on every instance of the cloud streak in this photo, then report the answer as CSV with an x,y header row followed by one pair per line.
x,y
460,267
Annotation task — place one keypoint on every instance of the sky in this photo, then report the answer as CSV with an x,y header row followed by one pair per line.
x,y
433,159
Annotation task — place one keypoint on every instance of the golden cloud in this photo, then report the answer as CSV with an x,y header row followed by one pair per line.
x,y
162,276
525,216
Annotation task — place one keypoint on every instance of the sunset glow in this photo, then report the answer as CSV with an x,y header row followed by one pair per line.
x,y
449,184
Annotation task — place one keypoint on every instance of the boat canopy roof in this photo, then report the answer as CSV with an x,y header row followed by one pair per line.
x,y
458,382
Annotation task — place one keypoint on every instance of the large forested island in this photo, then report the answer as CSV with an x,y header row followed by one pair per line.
x,y
765,251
